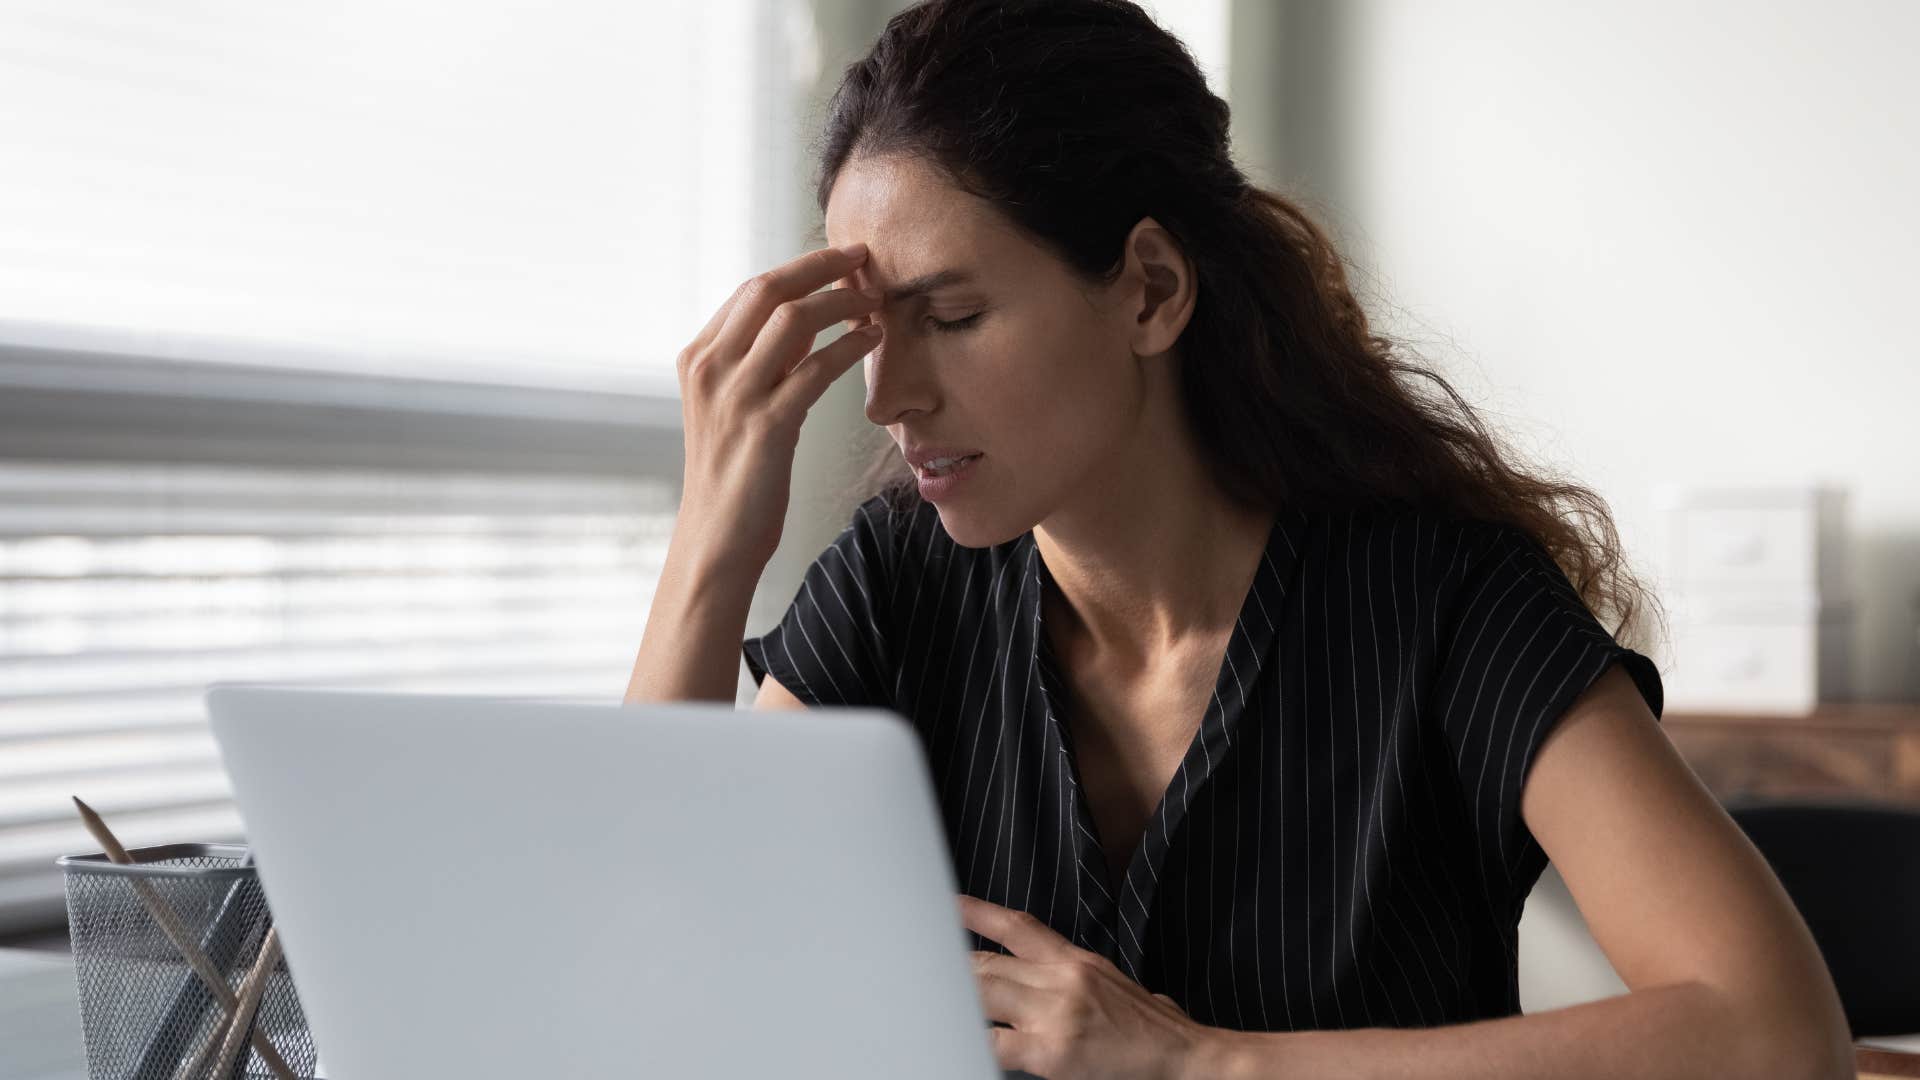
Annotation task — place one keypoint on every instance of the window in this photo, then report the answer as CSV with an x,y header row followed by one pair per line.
x,y
504,191
336,346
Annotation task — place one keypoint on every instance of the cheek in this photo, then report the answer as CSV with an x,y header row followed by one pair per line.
x,y
1061,406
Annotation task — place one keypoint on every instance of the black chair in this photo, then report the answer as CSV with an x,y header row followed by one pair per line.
x,y
1853,870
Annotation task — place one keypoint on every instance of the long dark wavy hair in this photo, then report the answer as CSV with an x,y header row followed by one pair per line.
x,y
1077,118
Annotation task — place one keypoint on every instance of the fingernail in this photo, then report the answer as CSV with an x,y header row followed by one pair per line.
x,y
855,249
871,292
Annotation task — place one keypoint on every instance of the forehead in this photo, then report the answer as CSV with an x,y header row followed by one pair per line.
x,y
908,213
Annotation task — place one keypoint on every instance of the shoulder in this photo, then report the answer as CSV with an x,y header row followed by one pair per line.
x,y
1431,548
1435,573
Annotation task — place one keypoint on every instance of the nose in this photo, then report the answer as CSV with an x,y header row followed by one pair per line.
x,y
897,384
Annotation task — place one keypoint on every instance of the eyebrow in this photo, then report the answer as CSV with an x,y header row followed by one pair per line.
x,y
926,283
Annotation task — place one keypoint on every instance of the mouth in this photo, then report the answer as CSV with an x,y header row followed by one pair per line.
x,y
945,466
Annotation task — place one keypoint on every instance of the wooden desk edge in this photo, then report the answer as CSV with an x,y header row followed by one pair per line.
x,y
1875,1064
1875,716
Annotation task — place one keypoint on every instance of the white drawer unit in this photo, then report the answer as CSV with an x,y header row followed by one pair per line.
x,y
1754,655
1757,598
1757,538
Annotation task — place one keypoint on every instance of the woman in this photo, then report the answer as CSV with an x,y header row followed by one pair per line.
x,y
1253,686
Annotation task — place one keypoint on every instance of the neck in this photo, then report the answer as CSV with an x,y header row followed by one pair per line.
x,y
1151,554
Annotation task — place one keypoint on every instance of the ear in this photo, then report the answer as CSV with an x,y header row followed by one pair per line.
x,y
1160,288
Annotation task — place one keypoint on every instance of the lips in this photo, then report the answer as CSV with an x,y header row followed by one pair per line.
x,y
938,487
946,466
919,455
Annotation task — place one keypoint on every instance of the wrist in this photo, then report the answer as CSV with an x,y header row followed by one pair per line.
x,y
710,572
1218,1054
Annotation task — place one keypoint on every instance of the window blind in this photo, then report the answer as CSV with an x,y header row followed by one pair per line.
x,y
499,189
126,587
336,347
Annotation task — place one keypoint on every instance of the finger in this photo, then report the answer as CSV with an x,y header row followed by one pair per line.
x,y
1022,934
801,387
706,335
856,282
754,304
1016,1050
1013,969
794,326
1009,1002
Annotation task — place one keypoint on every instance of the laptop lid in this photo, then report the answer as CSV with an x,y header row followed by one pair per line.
x,y
478,887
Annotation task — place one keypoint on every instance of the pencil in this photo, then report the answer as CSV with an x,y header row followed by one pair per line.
x,y
170,925
250,994
215,1036
224,940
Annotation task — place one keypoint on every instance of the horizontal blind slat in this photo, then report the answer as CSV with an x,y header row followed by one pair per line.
x,y
23,599
33,847
126,590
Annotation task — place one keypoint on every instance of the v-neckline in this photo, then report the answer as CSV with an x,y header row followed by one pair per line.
x,y
1121,906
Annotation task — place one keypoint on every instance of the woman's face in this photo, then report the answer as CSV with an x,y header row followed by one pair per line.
x,y
1006,354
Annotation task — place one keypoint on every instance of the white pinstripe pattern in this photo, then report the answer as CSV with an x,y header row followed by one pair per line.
x,y
819,665
1463,992
1279,698
946,671
1393,741
1019,740
1429,789
983,728
806,688
1060,829
925,558
859,577
1039,790
1358,882
1313,988
979,727
1360,846
867,695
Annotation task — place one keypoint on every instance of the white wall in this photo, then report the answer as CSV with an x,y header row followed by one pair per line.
x,y
1659,242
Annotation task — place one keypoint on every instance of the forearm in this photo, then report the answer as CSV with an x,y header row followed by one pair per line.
x,y
690,649
1686,1030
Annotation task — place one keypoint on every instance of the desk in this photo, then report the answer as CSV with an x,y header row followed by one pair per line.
x,y
40,1025
1869,752
1876,1063
39,1017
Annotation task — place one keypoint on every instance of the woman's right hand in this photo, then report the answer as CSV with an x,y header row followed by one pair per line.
x,y
746,383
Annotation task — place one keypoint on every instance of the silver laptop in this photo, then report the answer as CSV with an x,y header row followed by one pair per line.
x,y
485,887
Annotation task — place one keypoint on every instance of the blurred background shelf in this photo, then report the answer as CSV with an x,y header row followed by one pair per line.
x,y
1863,752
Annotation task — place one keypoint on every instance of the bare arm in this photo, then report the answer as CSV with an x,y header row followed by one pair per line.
x,y
690,650
746,382
1724,978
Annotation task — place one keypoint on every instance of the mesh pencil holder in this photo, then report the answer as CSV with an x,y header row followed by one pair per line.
x,y
146,1011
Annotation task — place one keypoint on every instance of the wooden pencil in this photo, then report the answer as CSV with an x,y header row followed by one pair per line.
x,y
215,1037
250,993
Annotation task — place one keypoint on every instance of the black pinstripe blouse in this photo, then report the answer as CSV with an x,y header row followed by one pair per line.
x,y
1342,845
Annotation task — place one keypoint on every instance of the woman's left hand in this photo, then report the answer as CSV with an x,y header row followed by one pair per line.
x,y
1074,1014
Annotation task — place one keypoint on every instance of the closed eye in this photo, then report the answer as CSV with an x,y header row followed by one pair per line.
x,y
955,325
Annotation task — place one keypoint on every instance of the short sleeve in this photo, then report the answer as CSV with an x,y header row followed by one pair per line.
x,y
830,647
1517,647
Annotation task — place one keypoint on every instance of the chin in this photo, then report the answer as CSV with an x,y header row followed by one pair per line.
x,y
971,528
